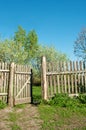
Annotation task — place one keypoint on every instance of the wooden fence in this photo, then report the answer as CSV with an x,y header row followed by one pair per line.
x,y
15,83
63,77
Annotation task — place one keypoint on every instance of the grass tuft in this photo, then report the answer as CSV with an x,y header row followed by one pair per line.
x,y
2,105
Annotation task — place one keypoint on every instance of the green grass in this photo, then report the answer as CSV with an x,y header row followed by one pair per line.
x,y
61,111
2,104
15,127
20,106
55,117
57,113
13,117
36,92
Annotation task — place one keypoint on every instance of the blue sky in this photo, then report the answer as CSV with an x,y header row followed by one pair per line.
x,y
57,22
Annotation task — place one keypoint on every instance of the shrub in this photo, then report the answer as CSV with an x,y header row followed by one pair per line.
x,y
63,100
82,98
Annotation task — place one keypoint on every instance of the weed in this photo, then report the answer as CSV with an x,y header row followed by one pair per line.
x,y
82,98
15,127
2,104
13,116
20,106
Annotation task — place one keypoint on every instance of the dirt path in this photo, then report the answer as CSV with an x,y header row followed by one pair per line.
x,y
26,118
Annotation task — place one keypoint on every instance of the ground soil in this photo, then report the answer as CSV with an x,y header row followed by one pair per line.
x,y
27,118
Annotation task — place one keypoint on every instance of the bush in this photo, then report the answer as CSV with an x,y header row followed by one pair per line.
x,y
82,98
60,100
63,100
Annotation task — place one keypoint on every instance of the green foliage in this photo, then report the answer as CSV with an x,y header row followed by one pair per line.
x,y
21,48
20,36
31,45
82,98
20,106
52,55
11,52
2,105
15,127
28,41
63,100
61,112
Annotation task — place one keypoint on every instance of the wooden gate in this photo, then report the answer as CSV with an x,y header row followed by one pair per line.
x,y
22,84
15,83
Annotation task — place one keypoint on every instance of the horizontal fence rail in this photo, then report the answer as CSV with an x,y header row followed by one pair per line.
x,y
63,77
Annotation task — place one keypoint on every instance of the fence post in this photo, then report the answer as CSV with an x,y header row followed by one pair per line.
x,y
43,78
10,88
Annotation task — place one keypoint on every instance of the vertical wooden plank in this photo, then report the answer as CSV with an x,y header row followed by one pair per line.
x,y
81,77
77,74
65,83
22,95
14,81
16,85
48,85
25,90
79,84
54,79
17,88
29,86
19,82
54,84
0,78
2,67
69,78
58,78
43,79
68,82
75,77
10,90
4,79
85,76
61,69
49,80
5,83
76,68
71,69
